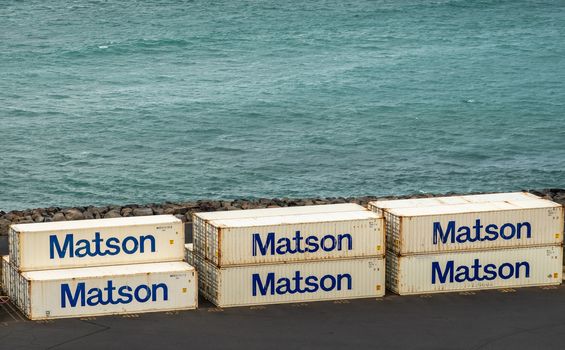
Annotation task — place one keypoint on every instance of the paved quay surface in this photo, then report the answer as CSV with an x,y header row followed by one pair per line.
x,y
523,318
508,319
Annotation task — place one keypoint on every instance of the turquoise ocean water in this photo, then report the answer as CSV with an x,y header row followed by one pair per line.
x,y
146,101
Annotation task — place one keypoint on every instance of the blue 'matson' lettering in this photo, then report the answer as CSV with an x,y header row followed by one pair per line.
x,y
98,246
298,284
299,244
463,234
477,272
111,294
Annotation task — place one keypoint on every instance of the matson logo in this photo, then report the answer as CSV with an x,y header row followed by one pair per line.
x,y
99,246
271,245
450,273
480,232
83,296
272,284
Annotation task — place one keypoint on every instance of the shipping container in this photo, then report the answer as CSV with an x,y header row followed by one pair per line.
x,y
189,253
106,290
292,282
9,274
202,229
471,226
272,239
283,211
380,204
462,271
84,243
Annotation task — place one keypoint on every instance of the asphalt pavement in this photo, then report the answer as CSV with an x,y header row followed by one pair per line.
x,y
526,318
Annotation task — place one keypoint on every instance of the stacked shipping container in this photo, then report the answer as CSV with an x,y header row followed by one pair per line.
x,y
472,242
284,255
99,267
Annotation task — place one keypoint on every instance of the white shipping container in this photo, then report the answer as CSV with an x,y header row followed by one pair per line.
x,y
107,290
202,229
471,226
84,243
450,200
461,271
292,282
9,274
297,210
189,253
272,239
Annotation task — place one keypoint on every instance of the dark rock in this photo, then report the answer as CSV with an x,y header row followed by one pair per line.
x,y
27,219
215,205
189,205
11,216
4,225
169,211
94,213
142,211
39,211
182,217
88,215
74,214
158,211
59,217
180,210
38,218
112,214
101,210
52,210
126,212
559,196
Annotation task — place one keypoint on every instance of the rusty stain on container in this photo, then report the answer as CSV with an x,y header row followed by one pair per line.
x,y
40,294
235,236
365,274
532,266
32,246
422,226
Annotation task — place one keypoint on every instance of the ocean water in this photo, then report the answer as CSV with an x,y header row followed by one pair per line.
x,y
146,101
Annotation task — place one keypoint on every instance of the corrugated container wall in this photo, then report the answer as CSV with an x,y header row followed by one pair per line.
x,y
105,290
456,226
292,282
202,228
459,271
286,238
9,274
72,244
189,253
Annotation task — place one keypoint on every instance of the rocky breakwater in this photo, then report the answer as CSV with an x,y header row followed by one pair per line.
x,y
184,210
